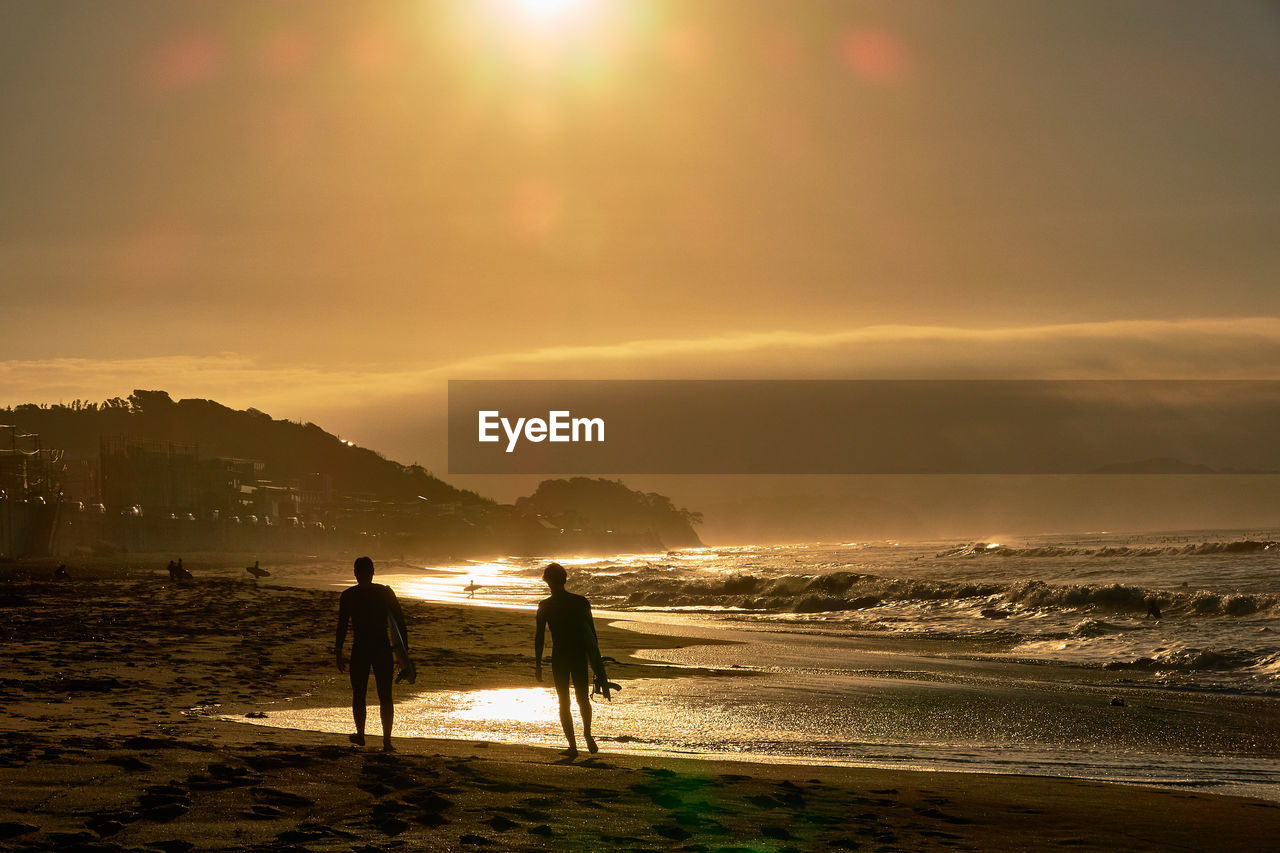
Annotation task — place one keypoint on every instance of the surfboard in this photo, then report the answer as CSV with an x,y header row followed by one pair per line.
x,y
602,684
408,671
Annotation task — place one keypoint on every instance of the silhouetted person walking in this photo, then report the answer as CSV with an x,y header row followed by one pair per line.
x,y
574,647
368,606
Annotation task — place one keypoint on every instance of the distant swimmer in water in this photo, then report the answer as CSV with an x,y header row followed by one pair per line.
x,y
574,648
256,571
369,606
1153,608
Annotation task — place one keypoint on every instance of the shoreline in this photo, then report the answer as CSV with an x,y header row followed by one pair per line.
x,y
98,747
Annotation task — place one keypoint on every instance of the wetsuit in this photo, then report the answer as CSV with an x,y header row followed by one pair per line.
x,y
574,646
368,606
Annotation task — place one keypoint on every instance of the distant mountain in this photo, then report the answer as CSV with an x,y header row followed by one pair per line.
x,y
287,448
368,503
608,507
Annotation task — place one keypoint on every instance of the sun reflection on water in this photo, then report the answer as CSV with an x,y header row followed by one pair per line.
x,y
516,704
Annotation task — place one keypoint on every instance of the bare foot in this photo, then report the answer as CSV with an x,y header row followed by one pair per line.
x,y
387,747
591,745
357,739
571,752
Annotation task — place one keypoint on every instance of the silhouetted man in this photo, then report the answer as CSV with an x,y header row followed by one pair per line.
x,y
574,648
368,606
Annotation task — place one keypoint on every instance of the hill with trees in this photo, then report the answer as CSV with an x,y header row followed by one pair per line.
x,y
599,505
286,448
187,471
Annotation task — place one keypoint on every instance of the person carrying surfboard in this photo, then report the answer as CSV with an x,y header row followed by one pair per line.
x,y
574,648
370,608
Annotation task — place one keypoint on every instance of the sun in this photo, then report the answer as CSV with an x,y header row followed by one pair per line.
x,y
546,7
547,42
545,11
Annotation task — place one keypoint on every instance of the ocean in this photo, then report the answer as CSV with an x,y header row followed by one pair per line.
x,y
1040,655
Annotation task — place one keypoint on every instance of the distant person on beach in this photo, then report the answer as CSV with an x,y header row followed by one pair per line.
x,y
574,647
368,606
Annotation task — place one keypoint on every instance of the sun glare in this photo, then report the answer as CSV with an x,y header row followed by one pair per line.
x,y
545,8
510,705
545,16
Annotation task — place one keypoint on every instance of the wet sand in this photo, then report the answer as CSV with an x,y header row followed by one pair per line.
x,y
111,741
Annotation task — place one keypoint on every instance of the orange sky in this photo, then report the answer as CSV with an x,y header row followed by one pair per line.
x,y
325,210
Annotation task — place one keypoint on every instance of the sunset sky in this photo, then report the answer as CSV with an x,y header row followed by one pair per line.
x,y
327,210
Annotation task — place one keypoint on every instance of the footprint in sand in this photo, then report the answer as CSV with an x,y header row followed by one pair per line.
x,y
500,823
373,788
70,840
537,801
12,829
163,803
263,812
391,826
431,820
128,762
764,801
286,799
428,801
107,824
301,836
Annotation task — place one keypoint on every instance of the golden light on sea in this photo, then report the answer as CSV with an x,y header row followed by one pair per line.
x,y
510,705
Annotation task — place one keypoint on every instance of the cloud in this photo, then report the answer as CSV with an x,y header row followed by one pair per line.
x,y
1246,348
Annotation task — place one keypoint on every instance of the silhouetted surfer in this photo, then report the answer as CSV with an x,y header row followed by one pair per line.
x,y
368,606
574,647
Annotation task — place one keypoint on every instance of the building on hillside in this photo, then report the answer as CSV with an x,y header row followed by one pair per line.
x,y
150,473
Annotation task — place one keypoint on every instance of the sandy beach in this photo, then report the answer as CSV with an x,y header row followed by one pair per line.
x,y
118,685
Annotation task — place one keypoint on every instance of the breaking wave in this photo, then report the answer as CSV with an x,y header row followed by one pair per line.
x,y
656,587
994,549
1197,660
